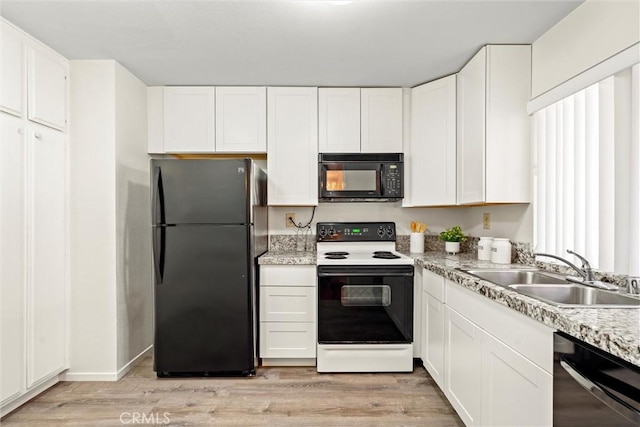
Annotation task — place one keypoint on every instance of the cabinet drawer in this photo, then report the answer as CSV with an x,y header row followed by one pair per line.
x,y
288,275
433,284
287,304
287,340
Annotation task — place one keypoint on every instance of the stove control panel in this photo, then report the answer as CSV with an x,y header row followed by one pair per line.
x,y
356,231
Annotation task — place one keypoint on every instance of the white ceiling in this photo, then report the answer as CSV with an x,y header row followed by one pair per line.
x,y
283,43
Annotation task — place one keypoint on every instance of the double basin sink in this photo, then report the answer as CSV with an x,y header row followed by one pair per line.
x,y
554,289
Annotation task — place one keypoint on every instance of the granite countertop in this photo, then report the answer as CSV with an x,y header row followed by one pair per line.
x,y
288,258
614,330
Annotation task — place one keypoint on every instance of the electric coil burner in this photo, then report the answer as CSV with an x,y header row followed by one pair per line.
x,y
365,299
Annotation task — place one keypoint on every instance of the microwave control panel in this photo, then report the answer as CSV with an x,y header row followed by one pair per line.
x,y
392,180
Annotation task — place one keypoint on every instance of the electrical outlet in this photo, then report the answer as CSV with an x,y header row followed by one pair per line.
x,y
290,217
486,220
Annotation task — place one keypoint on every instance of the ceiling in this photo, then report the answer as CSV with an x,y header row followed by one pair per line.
x,y
284,43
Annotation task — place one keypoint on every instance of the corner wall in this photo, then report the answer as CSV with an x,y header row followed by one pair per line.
x,y
92,347
133,219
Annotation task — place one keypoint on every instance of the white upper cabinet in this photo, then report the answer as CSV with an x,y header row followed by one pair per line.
x,y
381,120
292,144
430,159
241,119
12,71
493,128
47,88
189,120
28,67
339,120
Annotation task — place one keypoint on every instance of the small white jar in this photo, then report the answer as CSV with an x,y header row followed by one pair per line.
x,y
484,248
501,251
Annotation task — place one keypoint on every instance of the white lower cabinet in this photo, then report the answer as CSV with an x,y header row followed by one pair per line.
x,y
463,372
514,390
493,364
287,313
433,356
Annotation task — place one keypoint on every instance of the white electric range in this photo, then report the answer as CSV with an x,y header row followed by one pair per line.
x,y
365,299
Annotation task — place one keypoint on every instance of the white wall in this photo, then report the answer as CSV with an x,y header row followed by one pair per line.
x,y
512,221
92,218
133,218
593,32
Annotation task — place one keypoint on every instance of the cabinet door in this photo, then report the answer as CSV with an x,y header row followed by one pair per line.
x,y
463,366
292,145
46,293
381,120
12,257
12,70
47,88
507,127
189,120
514,390
241,119
339,117
471,129
432,150
434,336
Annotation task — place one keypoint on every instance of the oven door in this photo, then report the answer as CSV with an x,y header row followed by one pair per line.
x,y
365,304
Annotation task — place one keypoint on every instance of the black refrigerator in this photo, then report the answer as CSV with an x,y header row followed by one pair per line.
x,y
209,225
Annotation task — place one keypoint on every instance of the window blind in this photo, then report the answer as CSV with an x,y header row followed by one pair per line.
x,y
586,179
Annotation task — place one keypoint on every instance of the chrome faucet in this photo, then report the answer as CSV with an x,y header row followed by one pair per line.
x,y
586,272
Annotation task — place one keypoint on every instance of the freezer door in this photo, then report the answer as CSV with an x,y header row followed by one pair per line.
x,y
200,191
203,302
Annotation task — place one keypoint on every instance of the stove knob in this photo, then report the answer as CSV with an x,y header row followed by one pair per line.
x,y
322,232
380,232
389,231
332,232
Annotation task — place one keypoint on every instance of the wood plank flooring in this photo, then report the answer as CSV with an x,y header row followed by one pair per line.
x,y
276,396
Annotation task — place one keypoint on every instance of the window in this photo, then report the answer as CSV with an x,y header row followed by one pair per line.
x,y
586,174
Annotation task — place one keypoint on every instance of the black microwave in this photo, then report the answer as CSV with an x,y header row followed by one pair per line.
x,y
366,177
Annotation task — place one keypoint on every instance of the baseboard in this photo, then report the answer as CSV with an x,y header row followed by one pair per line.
x,y
126,368
105,376
289,362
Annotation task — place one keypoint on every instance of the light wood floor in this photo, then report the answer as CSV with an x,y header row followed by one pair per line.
x,y
274,397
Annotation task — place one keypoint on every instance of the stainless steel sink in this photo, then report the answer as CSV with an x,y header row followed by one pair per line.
x,y
512,277
574,295
553,288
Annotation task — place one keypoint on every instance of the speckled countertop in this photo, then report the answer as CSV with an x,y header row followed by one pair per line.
x,y
614,330
288,257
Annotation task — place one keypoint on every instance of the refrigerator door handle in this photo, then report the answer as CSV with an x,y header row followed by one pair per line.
x,y
159,243
158,197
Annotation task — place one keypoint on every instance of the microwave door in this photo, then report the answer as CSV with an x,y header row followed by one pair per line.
x,y
350,181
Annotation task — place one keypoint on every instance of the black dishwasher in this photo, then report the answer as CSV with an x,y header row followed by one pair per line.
x,y
592,387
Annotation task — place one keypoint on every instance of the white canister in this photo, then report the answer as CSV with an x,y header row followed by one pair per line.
x,y
416,244
501,251
484,248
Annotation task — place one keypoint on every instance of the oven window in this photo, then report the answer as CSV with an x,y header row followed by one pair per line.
x,y
365,309
371,296
351,180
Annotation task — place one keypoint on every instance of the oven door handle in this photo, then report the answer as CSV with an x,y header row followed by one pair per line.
x,y
601,394
360,271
